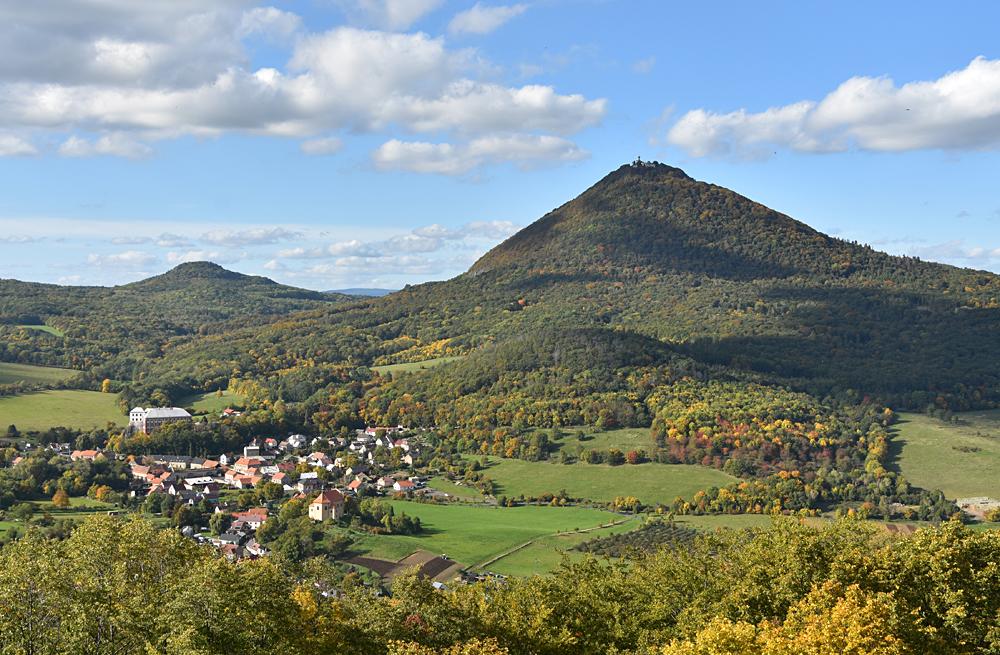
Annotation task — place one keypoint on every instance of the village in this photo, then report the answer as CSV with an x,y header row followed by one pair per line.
x,y
236,493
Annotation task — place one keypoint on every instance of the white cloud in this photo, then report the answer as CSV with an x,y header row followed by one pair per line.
x,y
204,256
270,22
111,78
15,146
448,159
958,111
19,238
115,145
327,146
251,237
644,66
129,258
480,19
389,14
956,251
274,265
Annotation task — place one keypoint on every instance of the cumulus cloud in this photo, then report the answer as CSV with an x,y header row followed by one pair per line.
x,y
251,237
127,259
958,111
389,14
956,251
204,256
317,147
480,19
115,145
450,159
180,68
269,22
644,66
457,244
15,146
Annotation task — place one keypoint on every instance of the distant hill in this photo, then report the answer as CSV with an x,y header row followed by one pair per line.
x,y
135,321
368,293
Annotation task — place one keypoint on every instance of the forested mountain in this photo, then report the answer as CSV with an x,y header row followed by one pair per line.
x,y
647,251
136,321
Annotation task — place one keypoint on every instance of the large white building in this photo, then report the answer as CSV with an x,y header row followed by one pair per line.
x,y
147,420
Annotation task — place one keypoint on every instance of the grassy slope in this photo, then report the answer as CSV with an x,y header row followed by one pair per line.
x,y
211,403
472,534
442,483
650,483
56,332
624,439
409,367
66,408
930,454
33,374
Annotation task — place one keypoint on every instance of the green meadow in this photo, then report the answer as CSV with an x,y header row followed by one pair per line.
x,y
961,458
410,367
69,408
212,402
56,332
473,534
10,373
650,483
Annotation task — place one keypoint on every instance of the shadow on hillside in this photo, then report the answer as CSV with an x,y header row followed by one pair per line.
x,y
892,343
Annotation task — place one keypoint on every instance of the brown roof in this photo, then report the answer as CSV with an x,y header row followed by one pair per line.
x,y
329,497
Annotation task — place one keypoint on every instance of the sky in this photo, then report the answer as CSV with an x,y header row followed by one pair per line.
x,y
376,143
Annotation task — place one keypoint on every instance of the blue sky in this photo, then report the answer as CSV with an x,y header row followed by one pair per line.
x,y
337,143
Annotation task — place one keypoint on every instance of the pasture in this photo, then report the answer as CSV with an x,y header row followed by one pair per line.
x,y
960,458
69,408
650,483
472,534
10,373
212,402
410,367
48,329
465,492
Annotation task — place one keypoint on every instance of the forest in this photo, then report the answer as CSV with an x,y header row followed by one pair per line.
x,y
789,589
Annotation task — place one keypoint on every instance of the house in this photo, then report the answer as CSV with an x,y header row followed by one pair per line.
x,y
89,455
148,420
253,518
404,485
230,412
319,459
296,441
328,504
356,485
384,482
252,450
247,465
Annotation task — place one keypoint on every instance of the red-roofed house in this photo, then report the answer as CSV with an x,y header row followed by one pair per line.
x,y
90,455
328,504
404,485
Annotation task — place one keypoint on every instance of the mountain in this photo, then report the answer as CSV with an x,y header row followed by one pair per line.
x,y
115,326
729,285
365,292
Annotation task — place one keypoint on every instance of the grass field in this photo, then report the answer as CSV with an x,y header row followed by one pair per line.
x,y
547,552
33,374
66,408
624,439
461,491
650,483
410,367
79,508
962,459
472,534
210,403
56,332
